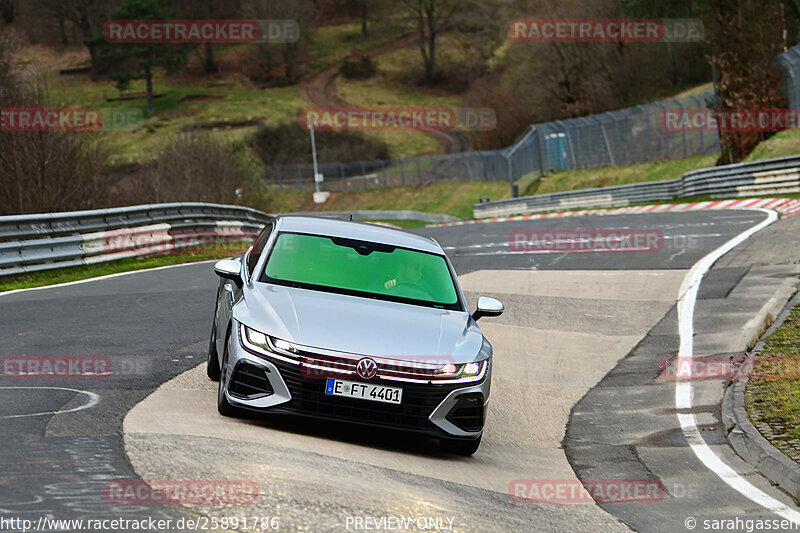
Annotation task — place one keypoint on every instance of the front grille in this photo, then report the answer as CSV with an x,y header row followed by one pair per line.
x,y
249,382
418,402
467,413
420,368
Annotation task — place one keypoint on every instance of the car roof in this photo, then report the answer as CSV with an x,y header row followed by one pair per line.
x,y
356,230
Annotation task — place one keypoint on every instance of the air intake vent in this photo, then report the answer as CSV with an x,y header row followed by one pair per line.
x,y
249,382
467,413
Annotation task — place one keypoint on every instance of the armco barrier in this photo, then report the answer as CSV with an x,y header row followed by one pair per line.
x,y
431,218
30,243
769,177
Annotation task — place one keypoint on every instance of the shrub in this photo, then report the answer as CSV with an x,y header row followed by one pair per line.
x,y
43,171
291,143
198,167
360,69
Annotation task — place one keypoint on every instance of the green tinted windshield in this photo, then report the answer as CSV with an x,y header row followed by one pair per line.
x,y
361,268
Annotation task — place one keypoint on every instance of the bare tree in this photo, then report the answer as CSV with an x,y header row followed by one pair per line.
x,y
198,167
87,15
42,171
8,9
289,54
208,9
746,37
430,19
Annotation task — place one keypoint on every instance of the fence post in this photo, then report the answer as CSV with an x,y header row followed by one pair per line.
x,y
666,133
540,148
510,176
364,175
683,131
631,149
649,132
699,105
618,139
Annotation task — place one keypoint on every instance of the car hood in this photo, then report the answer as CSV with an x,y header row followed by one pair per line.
x,y
358,325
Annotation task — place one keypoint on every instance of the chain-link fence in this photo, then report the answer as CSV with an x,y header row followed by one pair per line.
x,y
789,62
633,135
624,137
466,166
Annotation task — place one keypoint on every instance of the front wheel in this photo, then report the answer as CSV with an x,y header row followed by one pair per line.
x,y
466,447
223,405
212,361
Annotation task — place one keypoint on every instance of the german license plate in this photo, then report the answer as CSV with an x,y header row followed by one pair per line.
x,y
363,391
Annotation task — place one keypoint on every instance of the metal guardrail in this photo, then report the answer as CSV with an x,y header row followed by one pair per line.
x,y
31,243
71,222
768,177
431,218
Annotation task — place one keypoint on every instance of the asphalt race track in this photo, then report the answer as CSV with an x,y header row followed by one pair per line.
x,y
576,390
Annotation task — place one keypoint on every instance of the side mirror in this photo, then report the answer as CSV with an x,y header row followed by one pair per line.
x,y
488,307
230,269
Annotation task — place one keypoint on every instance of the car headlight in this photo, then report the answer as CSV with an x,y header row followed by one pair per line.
x,y
466,373
261,344
471,369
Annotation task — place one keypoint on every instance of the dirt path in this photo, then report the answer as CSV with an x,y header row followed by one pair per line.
x,y
320,90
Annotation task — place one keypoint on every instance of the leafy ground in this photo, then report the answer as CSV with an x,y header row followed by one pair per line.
x,y
453,198
774,399
231,108
384,91
229,105
336,42
604,177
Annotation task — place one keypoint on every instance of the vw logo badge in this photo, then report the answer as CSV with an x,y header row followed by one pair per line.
x,y
366,368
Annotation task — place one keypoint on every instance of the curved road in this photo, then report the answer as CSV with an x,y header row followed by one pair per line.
x,y
576,389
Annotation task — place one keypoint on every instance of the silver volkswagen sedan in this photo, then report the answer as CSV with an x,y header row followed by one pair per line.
x,y
352,322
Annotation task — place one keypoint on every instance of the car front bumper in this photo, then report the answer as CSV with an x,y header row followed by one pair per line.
x,y
260,383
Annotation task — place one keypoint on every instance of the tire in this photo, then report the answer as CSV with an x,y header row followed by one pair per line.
x,y
464,447
223,406
212,361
